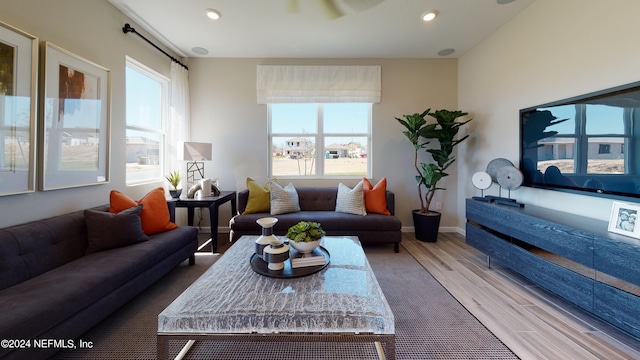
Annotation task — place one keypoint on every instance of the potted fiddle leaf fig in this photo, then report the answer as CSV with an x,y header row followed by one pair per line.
x,y
174,179
420,133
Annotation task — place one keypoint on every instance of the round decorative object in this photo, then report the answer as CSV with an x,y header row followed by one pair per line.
x,y
275,254
495,165
509,177
304,247
481,180
267,236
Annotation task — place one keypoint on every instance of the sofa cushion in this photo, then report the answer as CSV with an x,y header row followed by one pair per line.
x,y
155,215
259,197
284,200
349,200
46,300
375,197
106,230
33,248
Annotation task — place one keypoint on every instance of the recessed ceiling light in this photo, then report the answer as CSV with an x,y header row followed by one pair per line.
x,y
429,15
200,50
213,14
446,52
503,2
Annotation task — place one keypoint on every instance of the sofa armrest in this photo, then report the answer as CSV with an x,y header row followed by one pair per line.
x,y
391,202
243,198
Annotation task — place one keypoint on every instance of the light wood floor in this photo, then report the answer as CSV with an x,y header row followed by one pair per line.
x,y
533,323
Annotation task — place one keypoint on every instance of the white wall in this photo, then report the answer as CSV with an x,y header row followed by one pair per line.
x,y
93,30
551,51
225,112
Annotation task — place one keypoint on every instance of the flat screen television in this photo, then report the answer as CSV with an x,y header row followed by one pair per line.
x,y
588,144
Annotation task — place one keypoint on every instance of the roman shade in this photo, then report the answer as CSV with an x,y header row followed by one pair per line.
x,y
317,84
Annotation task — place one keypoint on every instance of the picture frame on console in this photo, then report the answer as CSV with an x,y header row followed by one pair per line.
x,y
18,85
74,126
624,219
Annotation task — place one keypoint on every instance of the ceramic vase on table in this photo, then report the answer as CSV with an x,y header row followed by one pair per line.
x,y
275,255
266,236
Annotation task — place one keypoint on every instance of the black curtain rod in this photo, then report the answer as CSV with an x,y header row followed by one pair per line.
x,y
127,29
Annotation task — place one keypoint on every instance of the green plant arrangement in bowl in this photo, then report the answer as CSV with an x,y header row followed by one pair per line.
x,y
305,236
174,179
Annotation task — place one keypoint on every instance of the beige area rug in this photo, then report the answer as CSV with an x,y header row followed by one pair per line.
x,y
430,323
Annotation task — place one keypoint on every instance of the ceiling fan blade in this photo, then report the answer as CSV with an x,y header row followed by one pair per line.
x,y
361,5
331,9
293,6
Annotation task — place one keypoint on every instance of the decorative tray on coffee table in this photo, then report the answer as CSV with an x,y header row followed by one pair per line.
x,y
261,267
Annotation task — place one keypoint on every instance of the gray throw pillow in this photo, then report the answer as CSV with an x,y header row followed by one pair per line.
x,y
351,200
106,230
284,199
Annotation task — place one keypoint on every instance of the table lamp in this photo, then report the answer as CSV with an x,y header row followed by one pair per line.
x,y
195,153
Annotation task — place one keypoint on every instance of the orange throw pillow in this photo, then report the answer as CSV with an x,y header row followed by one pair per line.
x,y
375,197
154,216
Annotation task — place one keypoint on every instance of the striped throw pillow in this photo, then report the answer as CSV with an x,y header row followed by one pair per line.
x,y
351,200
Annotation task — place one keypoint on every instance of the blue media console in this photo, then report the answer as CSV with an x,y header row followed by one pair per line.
x,y
572,256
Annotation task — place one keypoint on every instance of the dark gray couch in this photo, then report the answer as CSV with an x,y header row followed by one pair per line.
x,y
318,204
49,288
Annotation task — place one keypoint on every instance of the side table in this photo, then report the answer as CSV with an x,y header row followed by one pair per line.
x,y
210,202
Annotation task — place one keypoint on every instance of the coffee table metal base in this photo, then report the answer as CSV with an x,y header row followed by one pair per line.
x,y
389,340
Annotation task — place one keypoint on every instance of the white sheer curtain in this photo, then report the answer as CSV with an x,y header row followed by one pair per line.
x,y
178,128
319,84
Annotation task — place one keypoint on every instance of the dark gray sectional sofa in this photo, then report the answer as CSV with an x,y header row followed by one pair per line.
x,y
49,288
318,204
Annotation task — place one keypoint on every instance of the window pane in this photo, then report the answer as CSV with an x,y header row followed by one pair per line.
x,y
294,118
345,155
346,118
603,119
557,152
605,155
563,112
293,156
145,108
144,96
143,155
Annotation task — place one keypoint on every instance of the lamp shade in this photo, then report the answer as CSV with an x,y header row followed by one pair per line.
x,y
194,151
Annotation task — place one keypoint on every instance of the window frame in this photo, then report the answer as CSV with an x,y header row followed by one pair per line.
x,y
164,82
319,136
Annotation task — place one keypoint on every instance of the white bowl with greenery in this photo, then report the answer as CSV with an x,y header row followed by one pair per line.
x,y
305,236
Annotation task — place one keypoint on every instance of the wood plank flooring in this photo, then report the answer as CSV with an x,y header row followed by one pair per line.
x,y
532,322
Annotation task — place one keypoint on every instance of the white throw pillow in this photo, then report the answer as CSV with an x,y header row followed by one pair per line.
x,y
284,200
351,200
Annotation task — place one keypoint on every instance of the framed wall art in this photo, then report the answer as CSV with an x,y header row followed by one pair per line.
x,y
18,82
624,219
74,125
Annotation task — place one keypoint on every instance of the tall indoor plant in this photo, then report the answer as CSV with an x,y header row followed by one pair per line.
x,y
420,133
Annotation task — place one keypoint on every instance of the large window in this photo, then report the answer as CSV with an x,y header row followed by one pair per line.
x,y
147,104
320,140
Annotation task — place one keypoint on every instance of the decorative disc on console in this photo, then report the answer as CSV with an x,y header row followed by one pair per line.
x,y
481,180
509,177
495,165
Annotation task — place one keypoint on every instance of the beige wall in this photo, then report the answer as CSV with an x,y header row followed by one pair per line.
x,y
93,30
225,112
551,51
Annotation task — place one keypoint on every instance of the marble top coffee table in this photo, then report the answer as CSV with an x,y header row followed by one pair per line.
x,y
231,302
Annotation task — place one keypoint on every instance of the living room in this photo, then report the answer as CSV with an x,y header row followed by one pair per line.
x,y
552,50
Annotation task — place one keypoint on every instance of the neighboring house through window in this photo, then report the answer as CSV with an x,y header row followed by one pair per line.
x,y
146,111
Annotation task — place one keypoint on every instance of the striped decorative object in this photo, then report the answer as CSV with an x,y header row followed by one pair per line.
x,y
284,200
